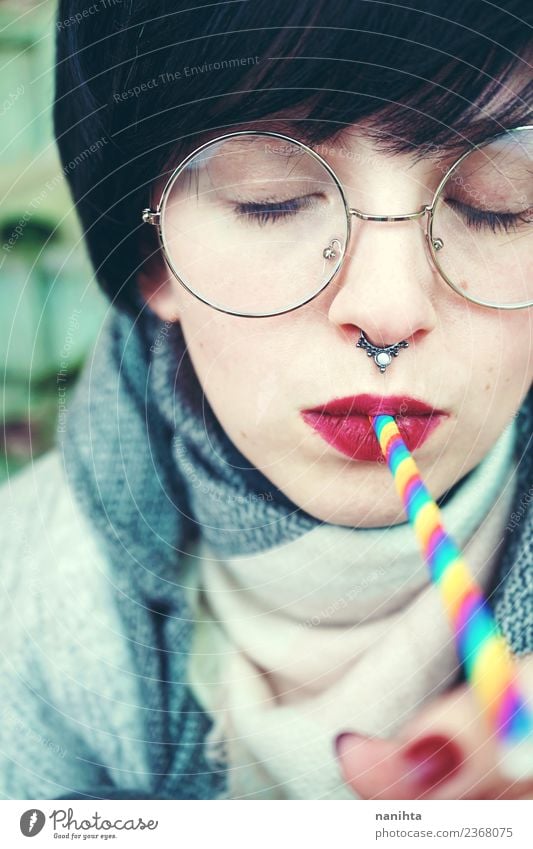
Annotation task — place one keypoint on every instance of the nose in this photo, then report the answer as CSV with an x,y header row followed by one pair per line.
x,y
386,286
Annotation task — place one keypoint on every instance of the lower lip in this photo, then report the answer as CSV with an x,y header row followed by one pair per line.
x,y
354,436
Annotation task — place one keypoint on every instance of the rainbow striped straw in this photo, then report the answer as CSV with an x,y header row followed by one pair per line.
x,y
480,645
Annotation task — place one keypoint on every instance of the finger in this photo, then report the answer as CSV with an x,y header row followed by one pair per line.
x,y
444,752
383,769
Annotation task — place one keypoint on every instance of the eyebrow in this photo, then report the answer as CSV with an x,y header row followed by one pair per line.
x,y
298,129
468,135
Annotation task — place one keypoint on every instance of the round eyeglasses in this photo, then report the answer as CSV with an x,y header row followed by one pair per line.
x,y
257,224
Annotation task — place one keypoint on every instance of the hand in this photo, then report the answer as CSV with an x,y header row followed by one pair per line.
x,y
443,752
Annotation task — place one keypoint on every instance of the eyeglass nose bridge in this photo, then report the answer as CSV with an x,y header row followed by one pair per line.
x,y
408,216
334,249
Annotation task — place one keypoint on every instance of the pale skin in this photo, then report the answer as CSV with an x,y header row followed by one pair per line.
x,y
473,362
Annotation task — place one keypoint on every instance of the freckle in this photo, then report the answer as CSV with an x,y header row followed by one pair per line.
x,y
487,387
243,434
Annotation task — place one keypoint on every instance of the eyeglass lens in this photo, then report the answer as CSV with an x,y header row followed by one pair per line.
x,y
483,222
247,221
256,224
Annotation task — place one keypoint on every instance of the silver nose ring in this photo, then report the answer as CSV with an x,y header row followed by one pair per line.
x,y
382,356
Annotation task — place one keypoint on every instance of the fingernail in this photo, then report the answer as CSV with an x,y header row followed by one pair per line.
x,y
344,741
431,760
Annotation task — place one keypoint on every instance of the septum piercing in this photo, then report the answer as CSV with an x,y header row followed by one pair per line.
x,y
382,356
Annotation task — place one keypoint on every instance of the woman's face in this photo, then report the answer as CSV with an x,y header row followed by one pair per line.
x,y
473,364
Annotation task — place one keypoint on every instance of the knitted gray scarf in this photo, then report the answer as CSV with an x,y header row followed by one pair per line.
x,y
152,468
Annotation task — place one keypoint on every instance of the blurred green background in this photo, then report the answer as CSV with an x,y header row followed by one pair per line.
x,y
50,306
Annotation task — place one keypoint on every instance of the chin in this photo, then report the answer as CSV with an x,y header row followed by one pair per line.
x,y
361,517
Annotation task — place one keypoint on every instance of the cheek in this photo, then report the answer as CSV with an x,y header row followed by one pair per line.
x,y
511,344
235,366
501,364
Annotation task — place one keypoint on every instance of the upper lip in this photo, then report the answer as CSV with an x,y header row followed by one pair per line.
x,y
373,405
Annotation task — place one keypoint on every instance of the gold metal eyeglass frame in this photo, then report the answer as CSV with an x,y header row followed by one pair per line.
x,y
156,217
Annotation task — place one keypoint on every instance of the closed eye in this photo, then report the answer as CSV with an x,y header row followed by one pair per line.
x,y
486,219
263,212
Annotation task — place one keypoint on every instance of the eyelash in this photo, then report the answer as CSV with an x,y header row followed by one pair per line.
x,y
488,220
263,213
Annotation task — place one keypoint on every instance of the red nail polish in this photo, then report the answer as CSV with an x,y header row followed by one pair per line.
x,y
431,760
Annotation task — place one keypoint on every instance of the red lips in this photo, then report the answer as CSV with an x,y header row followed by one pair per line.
x,y
344,422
